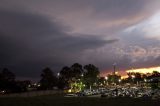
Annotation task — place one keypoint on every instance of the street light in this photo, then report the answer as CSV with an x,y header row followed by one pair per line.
x,y
145,80
133,76
106,78
58,74
119,80
114,68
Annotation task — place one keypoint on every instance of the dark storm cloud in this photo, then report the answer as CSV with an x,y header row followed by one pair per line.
x,y
54,33
30,41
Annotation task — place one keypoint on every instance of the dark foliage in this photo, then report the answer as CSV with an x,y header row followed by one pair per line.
x,y
48,79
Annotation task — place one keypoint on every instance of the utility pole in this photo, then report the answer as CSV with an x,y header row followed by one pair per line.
x,y
114,72
114,68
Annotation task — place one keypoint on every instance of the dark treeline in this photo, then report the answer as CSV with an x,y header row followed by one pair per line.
x,y
75,77
76,73
9,84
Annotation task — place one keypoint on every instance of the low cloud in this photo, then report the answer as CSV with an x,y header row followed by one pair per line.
x,y
31,41
37,33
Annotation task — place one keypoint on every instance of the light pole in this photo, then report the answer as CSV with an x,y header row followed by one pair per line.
x,y
133,77
114,68
58,74
119,80
106,78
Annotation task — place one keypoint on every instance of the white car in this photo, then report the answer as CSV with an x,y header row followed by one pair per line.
x,y
71,95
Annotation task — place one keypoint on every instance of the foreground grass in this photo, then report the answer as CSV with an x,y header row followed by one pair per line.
x,y
55,100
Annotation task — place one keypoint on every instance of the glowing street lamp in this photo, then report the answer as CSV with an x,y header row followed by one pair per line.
x,y
82,75
58,74
106,78
145,80
116,72
133,76
119,80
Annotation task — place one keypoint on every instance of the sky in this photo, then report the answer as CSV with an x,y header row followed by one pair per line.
x,y
35,34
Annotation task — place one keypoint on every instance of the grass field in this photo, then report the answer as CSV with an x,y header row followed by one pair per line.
x,y
54,100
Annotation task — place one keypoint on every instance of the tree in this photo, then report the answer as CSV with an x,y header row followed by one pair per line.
x,y
154,79
65,73
22,86
48,80
64,77
90,75
77,70
70,75
138,78
7,75
155,74
7,80
102,81
113,78
62,83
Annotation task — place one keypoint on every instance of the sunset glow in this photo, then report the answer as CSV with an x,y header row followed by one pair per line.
x,y
144,70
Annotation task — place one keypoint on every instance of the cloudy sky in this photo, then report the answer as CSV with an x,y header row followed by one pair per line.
x,y
55,33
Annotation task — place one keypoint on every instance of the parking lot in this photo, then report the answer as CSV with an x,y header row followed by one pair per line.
x,y
120,91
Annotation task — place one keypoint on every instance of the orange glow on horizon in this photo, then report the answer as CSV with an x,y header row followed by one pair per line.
x,y
144,70
138,70
123,74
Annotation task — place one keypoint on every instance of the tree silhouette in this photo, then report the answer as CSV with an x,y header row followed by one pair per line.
x,y
91,74
7,75
70,75
154,79
7,81
77,70
48,80
113,78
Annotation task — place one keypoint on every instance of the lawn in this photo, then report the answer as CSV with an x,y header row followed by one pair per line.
x,y
54,100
